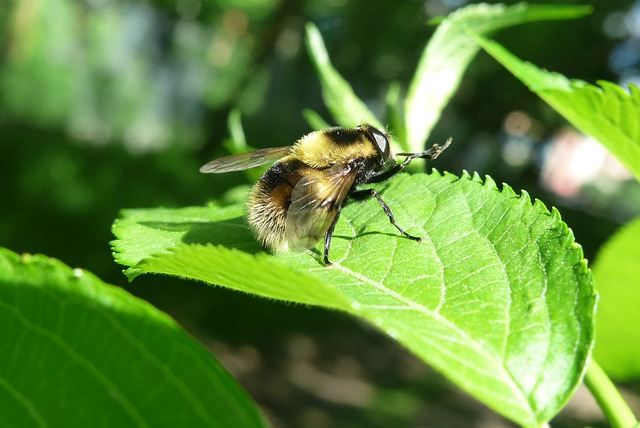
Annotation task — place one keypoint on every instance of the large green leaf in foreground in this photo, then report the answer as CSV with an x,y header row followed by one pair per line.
x,y
497,296
77,352
616,272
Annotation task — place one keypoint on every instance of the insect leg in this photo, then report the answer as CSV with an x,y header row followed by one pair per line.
x,y
328,235
363,194
388,174
429,154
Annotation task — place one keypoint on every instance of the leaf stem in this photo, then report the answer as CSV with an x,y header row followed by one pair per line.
x,y
609,399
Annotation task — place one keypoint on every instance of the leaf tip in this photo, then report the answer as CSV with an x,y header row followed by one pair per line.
x,y
465,175
525,198
315,44
490,183
508,190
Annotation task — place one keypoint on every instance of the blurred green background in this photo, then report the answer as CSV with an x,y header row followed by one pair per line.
x,y
111,104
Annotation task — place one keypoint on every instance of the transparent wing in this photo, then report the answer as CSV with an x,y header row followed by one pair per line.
x,y
244,161
315,202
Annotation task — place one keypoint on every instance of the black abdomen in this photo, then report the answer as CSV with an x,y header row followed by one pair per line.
x,y
270,200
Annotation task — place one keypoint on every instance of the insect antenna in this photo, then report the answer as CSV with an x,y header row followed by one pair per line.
x,y
430,154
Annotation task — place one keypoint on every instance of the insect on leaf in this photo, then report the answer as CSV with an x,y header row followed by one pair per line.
x,y
497,297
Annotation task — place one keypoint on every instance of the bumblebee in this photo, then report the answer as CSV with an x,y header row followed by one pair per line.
x,y
298,199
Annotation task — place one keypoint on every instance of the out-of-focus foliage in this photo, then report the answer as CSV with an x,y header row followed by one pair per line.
x,y
616,272
106,71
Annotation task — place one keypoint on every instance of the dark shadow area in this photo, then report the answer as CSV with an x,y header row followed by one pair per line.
x,y
231,233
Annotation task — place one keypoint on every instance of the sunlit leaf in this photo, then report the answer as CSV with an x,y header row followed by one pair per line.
x,y
444,60
497,296
345,106
393,113
314,119
451,49
608,113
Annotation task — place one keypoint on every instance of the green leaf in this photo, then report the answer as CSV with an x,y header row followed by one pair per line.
x,y
345,106
497,297
608,113
226,254
617,274
314,119
237,142
394,116
451,49
439,71
78,352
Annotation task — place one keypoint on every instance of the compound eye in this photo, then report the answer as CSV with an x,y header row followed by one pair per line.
x,y
380,139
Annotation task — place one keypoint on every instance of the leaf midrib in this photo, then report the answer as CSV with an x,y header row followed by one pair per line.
x,y
506,378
